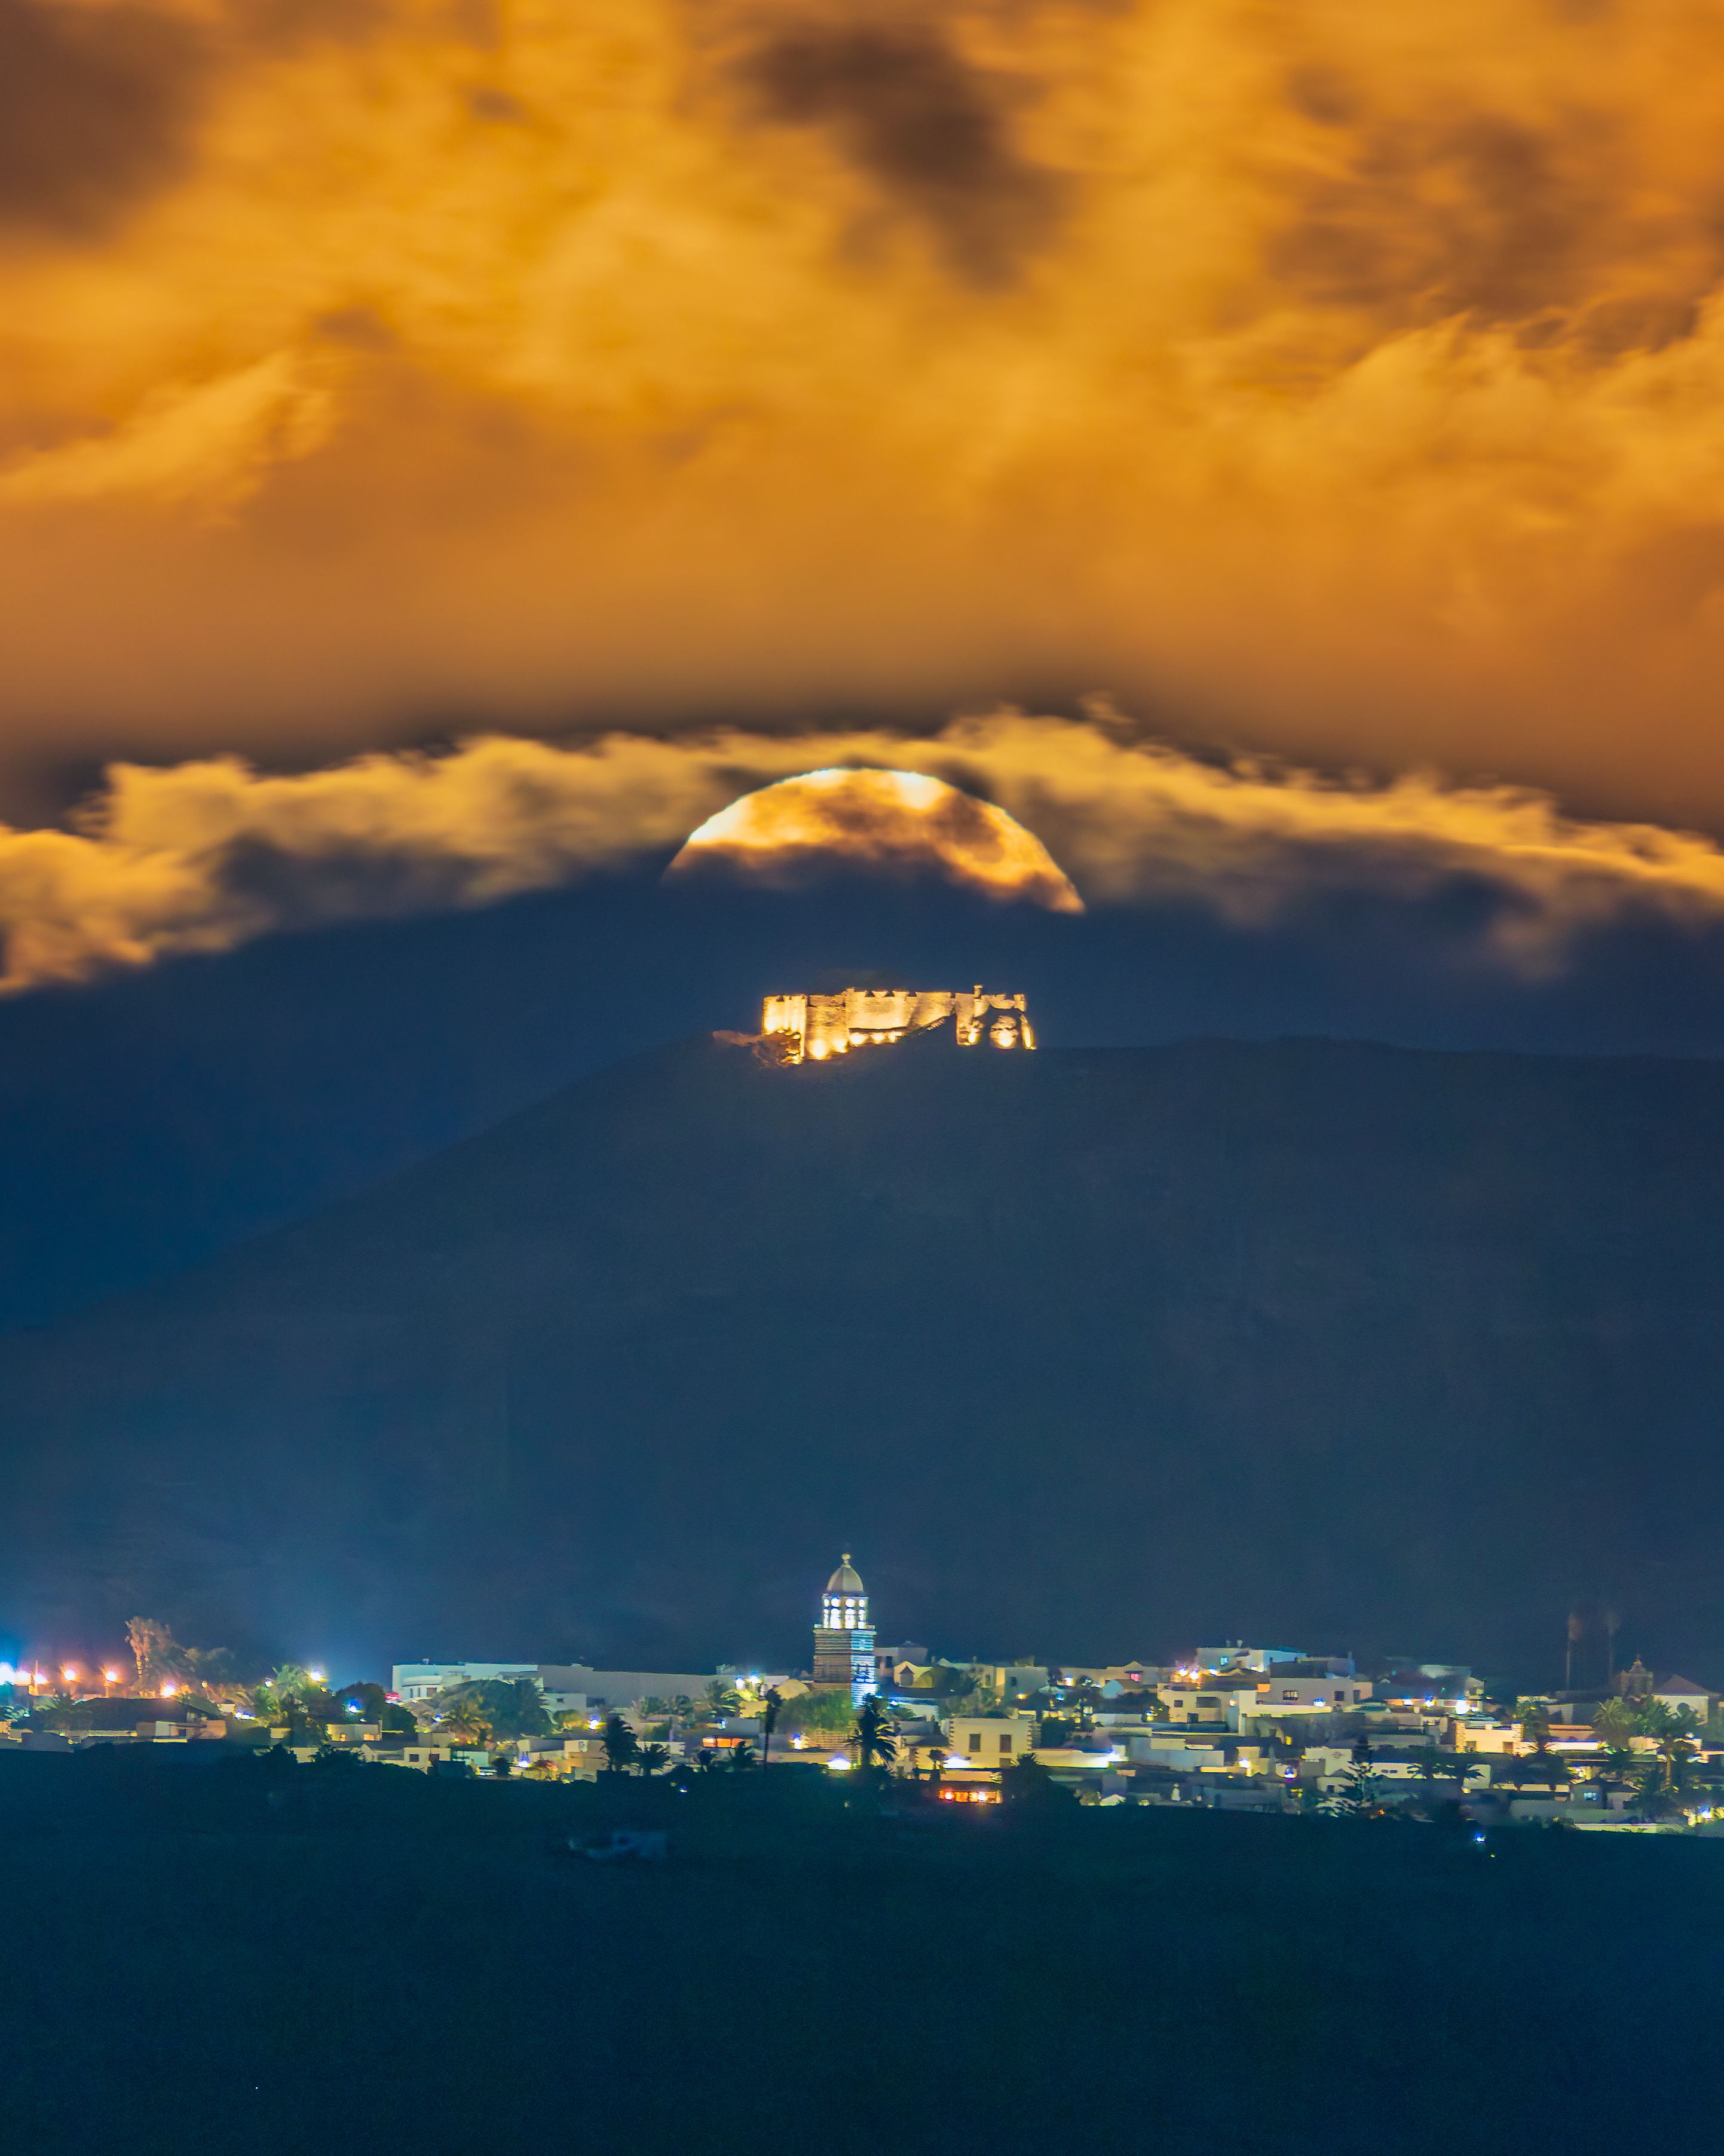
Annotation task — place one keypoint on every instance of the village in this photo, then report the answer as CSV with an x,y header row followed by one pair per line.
x,y
1237,1727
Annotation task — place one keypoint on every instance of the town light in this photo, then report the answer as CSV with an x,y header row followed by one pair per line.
x,y
839,1764
169,1689
110,1677
6,1673
316,1675
69,1671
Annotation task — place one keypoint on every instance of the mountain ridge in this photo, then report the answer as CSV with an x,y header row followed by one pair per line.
x,y
1089,1352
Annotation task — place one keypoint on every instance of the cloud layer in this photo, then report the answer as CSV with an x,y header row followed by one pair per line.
x,y
202,855
1343,379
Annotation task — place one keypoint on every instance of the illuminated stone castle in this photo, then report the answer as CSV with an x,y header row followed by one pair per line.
x,y
843,1638
820,1026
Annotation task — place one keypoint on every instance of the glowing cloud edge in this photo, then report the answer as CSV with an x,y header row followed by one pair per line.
x,y
866,817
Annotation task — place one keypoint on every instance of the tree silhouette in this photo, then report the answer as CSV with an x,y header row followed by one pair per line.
x,y
621,1747
1027,1781
1358,1798
465,1723
872,1736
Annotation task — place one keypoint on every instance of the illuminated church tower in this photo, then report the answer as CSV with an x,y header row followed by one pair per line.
x,y
843,1638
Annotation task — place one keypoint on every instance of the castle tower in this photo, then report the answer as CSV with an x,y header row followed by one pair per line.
x,y
843,1638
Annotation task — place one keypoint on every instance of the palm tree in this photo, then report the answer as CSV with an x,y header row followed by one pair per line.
x,y
772,1706
873,1736
1614,1722
621,1747
1674,1729
722,1698
741,1756
465,1723
1436,1765
653,1758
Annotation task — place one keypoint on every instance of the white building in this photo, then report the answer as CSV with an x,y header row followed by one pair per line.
x,y
981,1740
1237,1655
1311,1695
569,1687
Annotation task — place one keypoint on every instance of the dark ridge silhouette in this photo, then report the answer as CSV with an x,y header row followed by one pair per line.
x,y
1086,1353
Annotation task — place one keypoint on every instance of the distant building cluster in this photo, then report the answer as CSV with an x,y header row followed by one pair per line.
x,y
811,1028
1236,1727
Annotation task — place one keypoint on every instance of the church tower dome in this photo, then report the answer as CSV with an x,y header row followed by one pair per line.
x,y
846,1581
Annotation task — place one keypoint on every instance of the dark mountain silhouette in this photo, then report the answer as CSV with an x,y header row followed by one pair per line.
x,y
1088,1353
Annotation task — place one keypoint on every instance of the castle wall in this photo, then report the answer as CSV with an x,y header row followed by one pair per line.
x,y
818,1027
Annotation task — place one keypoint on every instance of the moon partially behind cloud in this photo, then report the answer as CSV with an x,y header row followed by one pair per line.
x,y
892,821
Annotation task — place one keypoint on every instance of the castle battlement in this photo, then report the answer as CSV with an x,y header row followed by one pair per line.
x,y
818,1027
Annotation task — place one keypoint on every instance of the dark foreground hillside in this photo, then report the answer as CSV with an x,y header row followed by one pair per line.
x,y
1085,1354
201,1956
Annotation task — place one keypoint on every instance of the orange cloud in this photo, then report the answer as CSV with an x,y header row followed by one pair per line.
x,y
1346,380
203,855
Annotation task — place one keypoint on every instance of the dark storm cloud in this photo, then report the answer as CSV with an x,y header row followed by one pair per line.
x,y
1508,221
95,111
932,131
97,104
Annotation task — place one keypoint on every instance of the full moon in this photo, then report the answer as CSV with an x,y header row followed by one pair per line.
x,y
891,820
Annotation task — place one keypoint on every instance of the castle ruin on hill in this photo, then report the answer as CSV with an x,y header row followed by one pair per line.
x,y
816,1027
